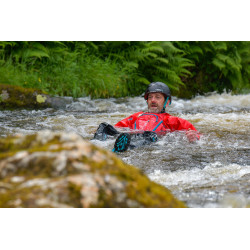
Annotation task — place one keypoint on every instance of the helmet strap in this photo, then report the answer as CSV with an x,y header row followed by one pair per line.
x,y
164,106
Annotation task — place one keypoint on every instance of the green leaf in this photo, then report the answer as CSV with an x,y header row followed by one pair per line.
x,y
131,64
222,57
163,60
233,65
218,63
143,80
35,53
220,45
185,72
169,47
196,49
156,49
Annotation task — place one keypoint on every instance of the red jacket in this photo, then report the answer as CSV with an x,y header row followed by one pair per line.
x,y
162,122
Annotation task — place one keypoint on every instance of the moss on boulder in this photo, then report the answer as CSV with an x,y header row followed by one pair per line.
x,y
18,97
51,169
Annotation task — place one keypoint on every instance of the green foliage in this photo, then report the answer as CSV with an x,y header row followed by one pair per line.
x,y
147,62
65,70
219,66
114,69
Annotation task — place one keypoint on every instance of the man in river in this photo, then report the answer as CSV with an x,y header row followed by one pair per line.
x,y
146,126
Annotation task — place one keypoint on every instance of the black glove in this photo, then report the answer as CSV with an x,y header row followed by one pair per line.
x,y
103,130
150,136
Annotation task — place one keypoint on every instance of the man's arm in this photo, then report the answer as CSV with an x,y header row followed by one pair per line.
x,y
176,123
191,132
129,121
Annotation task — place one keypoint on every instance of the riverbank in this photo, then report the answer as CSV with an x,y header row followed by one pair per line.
x,y
16,97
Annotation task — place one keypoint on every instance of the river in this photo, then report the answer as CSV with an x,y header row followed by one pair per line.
x,y
214,172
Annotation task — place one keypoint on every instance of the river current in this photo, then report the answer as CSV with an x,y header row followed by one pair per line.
x,y
213,172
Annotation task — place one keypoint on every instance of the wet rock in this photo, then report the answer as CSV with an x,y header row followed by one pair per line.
x,y
51,169
18,97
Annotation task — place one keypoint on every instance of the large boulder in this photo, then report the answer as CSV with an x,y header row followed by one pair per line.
x,y
50,169
18,97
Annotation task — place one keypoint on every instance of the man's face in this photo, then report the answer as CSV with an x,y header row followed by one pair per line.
x,y
155,102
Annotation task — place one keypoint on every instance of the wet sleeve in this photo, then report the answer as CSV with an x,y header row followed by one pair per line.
x,y
123,123
128,122
186,125
176,123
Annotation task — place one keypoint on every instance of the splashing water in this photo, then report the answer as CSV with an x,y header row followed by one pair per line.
x,y
214,172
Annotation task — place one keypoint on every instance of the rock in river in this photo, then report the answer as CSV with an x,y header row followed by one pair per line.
x,y
18,97
52,169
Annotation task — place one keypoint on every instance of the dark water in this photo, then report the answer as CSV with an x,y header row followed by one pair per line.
x,y
215,172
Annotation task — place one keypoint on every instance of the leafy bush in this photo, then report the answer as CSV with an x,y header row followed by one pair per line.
x,y
62,72
219,66
147,62
115,69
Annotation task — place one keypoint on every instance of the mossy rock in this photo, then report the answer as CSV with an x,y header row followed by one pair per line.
x,y
51,169
14,97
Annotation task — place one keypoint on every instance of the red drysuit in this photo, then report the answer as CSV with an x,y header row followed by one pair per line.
x,y
162,122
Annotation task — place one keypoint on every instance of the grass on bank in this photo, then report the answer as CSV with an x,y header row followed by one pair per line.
x,y
90,76
117,69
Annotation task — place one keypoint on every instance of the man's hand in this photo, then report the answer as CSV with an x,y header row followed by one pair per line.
x,y
192,135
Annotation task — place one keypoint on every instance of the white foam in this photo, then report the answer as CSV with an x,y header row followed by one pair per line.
x,y
213,174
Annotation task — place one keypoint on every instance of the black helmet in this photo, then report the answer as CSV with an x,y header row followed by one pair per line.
x,y
156,87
